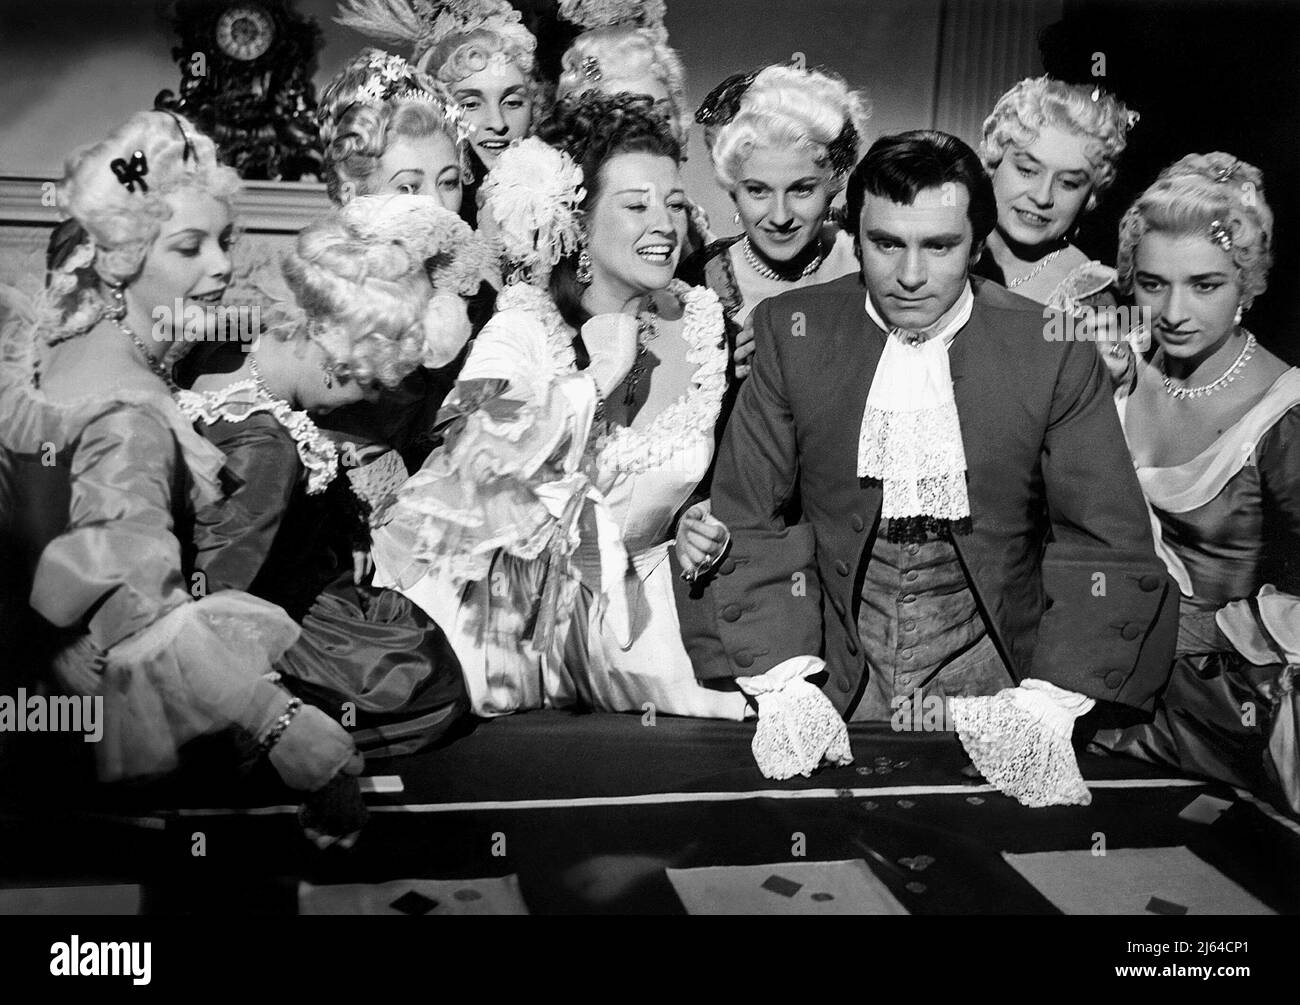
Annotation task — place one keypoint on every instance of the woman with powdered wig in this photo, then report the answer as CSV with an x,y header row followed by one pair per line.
x,y
359,313
1052,150
783,141
103,473
1213,423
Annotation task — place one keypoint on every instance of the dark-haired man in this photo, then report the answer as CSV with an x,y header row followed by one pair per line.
x,y
971,517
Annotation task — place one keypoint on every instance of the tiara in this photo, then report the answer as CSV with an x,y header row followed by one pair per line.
x,y
1225,173
592,14
1220,235
391,78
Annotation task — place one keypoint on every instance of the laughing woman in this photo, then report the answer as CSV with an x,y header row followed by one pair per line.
x,y
544,534
102,475
1213,423
783,142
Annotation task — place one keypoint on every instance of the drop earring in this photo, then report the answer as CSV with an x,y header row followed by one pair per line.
x,y
329,377
584,268
1236,319
735,217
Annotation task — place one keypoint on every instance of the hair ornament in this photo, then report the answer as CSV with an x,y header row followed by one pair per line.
x,y
533,193
1225,173
591,68
723,102
592,14
842,152
1220,234
131,172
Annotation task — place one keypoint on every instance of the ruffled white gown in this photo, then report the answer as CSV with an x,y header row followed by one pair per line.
x,y
539,542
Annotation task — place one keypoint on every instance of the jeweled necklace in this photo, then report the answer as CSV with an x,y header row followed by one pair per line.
x,y
647,330
769,273
1229,375
163,371
258,379
1037,270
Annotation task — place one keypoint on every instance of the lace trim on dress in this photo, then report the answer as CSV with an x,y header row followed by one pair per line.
x,y
236,402
693,415
559,336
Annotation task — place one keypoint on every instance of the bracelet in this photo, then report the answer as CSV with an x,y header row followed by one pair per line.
x,y
280,725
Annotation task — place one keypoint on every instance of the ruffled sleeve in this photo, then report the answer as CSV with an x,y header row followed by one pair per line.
x,y
507,474
117,564
174,667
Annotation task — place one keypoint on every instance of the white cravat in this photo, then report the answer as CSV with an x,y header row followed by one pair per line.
x,y
911,435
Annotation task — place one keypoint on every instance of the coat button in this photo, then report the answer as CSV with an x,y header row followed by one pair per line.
x,y
1130,631
844,685
912,549
850,645
1149,584
727,567
744,659
907,654
857,523
731,612
842,567
1114,679
909,598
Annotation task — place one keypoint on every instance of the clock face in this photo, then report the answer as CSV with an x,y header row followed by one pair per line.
x,y
245,31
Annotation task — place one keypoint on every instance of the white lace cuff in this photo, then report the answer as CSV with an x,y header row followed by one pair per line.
x,y
798,727
1019,739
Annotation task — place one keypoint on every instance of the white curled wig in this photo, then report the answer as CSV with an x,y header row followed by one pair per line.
x,y
605,58
119,224
376,283
1075,108
786,106
1215,196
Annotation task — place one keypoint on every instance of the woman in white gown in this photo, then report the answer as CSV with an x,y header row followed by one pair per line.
x,y
544,535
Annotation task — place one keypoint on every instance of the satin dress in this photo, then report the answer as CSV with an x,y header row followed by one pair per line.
x,y
285,531
1227,523
541,539
96,499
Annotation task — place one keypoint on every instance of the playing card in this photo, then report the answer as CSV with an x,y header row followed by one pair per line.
x,y
494,895
784,888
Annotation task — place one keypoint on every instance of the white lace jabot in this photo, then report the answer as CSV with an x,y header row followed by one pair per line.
x,y
910,437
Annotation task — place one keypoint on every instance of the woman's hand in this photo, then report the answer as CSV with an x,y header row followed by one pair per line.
x,y
701,539
744,350
611,343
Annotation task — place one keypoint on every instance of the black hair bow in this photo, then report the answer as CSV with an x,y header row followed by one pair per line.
x,y
131,173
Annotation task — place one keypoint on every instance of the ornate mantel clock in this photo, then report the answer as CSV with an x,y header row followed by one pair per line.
x,y
246,70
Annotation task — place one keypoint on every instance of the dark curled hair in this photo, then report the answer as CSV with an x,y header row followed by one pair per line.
x,y
591,128
898,167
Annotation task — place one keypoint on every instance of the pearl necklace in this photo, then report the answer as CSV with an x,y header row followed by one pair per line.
x,y
163,372
1046,261
257,378
772,274
1229,375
